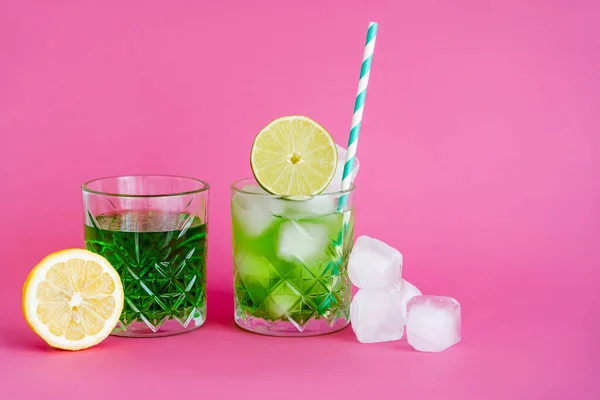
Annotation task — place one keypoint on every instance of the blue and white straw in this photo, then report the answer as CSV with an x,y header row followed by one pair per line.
x,y
359,106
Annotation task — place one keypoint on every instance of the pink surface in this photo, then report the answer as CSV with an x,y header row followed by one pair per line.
x,y
478,161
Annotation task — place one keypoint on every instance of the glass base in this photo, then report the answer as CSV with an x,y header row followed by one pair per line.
x,y
168,328
313,327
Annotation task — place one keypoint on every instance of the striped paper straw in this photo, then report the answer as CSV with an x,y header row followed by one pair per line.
x,y
359,106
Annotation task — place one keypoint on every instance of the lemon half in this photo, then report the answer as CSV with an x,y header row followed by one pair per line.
x,y
73,299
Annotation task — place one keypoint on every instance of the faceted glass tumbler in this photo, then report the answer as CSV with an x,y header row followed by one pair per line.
x,y
153,230
290,258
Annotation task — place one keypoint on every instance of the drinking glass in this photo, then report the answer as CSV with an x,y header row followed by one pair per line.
x,y
153,230
290,258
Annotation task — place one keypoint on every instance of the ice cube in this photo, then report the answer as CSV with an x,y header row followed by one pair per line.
x,y
254,267
304,206
374,264
301,241
407,292
336,182
256,273
376,315
283,301
433,323
252,212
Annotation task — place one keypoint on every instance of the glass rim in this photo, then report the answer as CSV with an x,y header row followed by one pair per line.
x,y
332,194
205,186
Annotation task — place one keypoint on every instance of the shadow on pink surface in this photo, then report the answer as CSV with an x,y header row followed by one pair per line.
x,y
219,308
21,338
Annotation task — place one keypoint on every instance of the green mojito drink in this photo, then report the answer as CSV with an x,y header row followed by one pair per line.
x,y
290,261
292,229
154,234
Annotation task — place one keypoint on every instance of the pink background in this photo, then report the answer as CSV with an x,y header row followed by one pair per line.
x,y
479,155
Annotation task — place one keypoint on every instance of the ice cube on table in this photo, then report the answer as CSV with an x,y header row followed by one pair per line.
x,y
433,323
376,315
301,241
407,292
336,183
374,264
252,212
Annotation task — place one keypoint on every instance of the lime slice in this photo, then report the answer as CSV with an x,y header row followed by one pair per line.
x,y
293,156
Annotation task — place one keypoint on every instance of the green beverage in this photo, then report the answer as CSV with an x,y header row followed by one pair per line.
x,y
290,263
161,259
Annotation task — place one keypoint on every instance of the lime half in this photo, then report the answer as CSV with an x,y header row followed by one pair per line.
x,y
293,156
